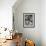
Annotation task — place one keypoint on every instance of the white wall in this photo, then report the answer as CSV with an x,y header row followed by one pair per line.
x,y
43,22
29,6
6,13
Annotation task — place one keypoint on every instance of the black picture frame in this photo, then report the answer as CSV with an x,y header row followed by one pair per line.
x,y
28,20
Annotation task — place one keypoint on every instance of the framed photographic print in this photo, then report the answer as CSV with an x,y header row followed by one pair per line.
x,y
29,20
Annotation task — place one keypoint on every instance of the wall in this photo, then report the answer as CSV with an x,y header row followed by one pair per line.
x,y
6,13
29,6
43,22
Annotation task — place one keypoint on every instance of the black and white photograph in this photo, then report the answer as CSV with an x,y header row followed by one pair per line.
x,y
29,20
